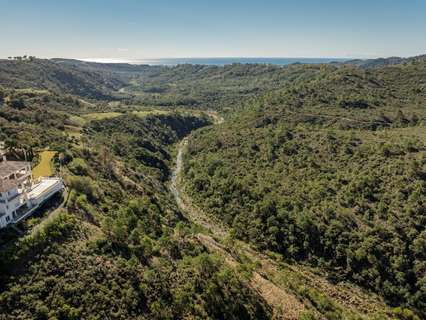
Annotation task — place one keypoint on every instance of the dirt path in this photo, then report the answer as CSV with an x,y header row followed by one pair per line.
x,y
284,303
270,279
184,203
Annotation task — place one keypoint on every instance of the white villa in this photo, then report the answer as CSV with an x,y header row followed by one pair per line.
x,y
20,195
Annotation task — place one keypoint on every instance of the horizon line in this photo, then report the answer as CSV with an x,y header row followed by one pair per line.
x,y
141,60
129,60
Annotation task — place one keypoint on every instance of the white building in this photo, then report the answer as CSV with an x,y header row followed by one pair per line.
x,y
20,195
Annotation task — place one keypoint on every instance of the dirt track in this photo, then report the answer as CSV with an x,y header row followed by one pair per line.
x,y
284,303
265,279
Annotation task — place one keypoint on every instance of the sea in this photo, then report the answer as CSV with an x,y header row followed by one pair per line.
x,y
220,61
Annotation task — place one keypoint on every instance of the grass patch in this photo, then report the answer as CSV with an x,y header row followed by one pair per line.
x,y
73,131
83,119
78,121
45,167
32,91
101,115
151,112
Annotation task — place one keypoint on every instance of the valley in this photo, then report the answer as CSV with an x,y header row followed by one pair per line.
x,y
293,291
206,192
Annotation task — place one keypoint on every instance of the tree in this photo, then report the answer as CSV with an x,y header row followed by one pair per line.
x,y
17,103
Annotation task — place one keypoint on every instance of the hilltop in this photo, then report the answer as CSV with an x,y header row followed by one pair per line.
x,y
61,78
382,62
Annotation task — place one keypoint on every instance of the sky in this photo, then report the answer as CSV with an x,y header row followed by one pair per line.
x,y
142,29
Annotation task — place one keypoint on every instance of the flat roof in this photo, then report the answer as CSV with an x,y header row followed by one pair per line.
x,y
9,167
42,187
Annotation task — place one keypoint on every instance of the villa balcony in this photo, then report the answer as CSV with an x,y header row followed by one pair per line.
x,y
39,193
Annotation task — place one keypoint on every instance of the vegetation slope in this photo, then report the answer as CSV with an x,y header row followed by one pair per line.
x,y
330,171
321,164
119,249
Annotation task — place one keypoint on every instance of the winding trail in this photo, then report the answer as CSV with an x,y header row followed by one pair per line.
x,y
184,202
285,304
270,278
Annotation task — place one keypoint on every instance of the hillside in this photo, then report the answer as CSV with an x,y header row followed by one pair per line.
x,y
119,249
59,77
305,202
383,62
331,172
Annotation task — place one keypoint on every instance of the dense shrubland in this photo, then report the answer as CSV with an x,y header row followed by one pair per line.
x,y
60,78
119,249
323,164
330,171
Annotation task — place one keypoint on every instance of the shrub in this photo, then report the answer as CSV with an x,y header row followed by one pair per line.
x,y
79,167
83,185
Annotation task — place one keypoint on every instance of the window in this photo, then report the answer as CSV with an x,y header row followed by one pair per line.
x,y
7,218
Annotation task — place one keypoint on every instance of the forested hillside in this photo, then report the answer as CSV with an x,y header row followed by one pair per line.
x,y
318,173
330,171
60,78
119,248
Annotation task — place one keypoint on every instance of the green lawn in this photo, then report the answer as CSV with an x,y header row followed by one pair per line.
x,y
150,112
101,115
45,167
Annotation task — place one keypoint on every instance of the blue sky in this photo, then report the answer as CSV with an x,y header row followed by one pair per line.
x,y
126,29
